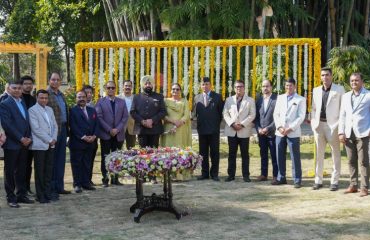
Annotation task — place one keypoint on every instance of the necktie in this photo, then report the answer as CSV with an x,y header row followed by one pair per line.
x,y
85,112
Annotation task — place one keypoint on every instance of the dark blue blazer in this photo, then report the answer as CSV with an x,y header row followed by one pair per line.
x,y
265,118
80,126
14,124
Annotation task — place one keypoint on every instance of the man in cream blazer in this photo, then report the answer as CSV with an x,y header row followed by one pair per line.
x,y
324,122
354,132
239,112
127,95
44,130
289,113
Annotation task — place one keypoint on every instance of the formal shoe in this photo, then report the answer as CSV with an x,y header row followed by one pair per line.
x,y
53,197
92,183
89,187
25,200
297,185
334,187
43,200
30,193
351,189
363,192
216,179
202,178
274,181
229,179
78,189
13,205
118,183
316,186
64,192
261,178
246,179
279,182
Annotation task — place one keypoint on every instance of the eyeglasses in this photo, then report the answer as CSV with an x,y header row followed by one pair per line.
x,y
239,86
175,89
111,88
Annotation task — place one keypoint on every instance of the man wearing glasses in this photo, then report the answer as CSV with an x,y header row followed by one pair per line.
x,y
239,113
112,115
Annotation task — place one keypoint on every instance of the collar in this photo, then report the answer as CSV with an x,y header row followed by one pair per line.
x,y
16,100
328,89
359,93
267,96
40,105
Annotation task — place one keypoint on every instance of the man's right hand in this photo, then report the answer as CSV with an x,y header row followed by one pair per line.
x,y
26,141
342,138
282,130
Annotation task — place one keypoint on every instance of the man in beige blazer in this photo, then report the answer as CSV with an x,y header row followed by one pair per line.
x,y
354,132
128,97
324,122
239,113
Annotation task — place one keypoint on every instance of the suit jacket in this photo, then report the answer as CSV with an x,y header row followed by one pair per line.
x,y
131,122
108,120
53,103
245,116
332,106
356,118
265,117
208,118
290,116
42,131
148,106
4,96
81,126
15,125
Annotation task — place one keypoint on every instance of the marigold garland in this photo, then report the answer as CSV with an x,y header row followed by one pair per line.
x,y
224,73
158,87
96,85
191,76
254,73
127,61
180,67
238,63
106,75
309,77
147,64
212,67
299,78
116,69
202,67
79,67
86,73
271,55
286,61
137,66
169,72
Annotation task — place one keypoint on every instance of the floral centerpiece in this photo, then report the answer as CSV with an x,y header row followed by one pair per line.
x,y
149,162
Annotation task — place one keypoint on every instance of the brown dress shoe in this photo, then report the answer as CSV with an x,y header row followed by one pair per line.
x,y
363,192
351,189
274,181
261,178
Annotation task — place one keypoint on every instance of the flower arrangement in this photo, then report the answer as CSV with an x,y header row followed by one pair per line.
x,y
149,162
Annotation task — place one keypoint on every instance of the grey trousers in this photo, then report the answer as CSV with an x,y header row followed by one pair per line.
x,y
358,152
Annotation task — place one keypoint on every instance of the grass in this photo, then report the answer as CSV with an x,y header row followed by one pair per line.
x,y
235,210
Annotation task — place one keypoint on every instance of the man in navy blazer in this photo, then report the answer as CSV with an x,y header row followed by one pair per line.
x,y
83,130
15,121
113,115
265,127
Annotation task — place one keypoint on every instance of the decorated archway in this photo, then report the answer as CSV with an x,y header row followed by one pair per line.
x,y
187,62
40,50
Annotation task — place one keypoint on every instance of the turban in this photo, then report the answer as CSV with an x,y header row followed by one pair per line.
x,y
145,79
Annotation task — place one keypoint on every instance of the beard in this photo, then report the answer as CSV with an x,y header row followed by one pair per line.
x,y
148,90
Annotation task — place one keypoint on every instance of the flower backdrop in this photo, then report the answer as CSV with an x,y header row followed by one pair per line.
x,y
186,62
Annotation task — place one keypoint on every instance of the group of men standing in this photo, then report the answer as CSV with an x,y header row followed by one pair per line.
x,y
336,117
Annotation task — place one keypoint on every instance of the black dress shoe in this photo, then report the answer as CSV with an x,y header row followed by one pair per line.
x,y
216,179
229,179
279,182
43,200
316,186
13,205
118,183
202,178
334,187
25,200
246,179
297,185
64,192
89,187
78,189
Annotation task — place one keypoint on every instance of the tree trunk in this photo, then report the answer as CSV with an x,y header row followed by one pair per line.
x,y
251,20
16,70
109,21
332,22
348,22
366,20
68,62
152,24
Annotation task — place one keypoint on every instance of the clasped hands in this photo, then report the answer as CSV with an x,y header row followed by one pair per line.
x,y
89,139
285,131
26,141
148,123
237,126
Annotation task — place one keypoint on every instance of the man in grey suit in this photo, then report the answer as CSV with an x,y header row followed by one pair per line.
x,y
44,130
354,132
112,115
265,127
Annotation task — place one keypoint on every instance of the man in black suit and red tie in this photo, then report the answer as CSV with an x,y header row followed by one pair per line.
x,y
207,110
15,121
83,130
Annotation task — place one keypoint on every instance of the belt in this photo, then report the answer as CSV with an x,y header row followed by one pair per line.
x,y
322,119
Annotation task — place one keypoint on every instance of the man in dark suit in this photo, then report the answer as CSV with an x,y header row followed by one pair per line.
x,y
15,121
148,110
59,105
265,127
29,100
112,115
83,124
207,110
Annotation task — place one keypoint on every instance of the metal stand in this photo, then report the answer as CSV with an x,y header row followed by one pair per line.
x,y
162,202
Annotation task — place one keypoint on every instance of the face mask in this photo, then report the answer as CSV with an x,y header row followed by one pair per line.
x,y
148,90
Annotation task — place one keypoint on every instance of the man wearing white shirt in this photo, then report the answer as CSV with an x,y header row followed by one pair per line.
x,y
289,114
128,97
324,122
354,131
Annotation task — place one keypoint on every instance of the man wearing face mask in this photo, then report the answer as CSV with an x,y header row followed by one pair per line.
x,y
148,110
